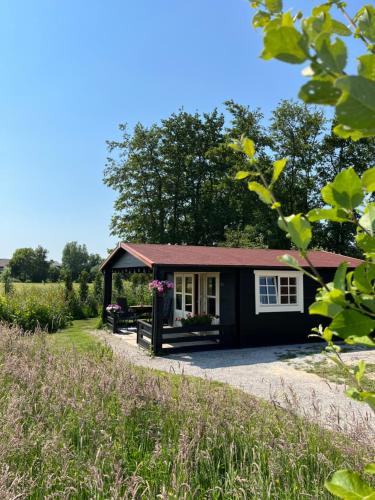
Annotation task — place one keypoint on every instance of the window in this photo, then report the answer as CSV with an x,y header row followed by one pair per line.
x,y
278,291
178,289
211,295
189,294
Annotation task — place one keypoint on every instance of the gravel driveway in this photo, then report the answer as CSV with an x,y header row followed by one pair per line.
x,y
262,372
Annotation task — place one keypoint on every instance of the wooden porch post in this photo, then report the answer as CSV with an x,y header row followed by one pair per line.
x,y
157,317
107,297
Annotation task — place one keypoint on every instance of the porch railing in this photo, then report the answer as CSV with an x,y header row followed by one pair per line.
x,y
194,337
144,333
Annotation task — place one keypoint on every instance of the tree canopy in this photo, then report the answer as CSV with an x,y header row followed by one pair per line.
x,y
28,264
175,180
76,259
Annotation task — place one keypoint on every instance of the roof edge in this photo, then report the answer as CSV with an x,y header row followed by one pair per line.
x,y
127,248
138,255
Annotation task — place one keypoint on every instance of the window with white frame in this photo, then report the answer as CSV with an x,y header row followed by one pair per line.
x,y
278,291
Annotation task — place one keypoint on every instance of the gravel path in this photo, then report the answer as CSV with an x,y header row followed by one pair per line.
x,y
263,373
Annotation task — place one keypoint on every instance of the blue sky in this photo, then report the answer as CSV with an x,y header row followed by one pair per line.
x,y
71,71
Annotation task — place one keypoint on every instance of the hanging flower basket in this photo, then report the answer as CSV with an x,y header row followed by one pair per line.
x,y
113,308
160,287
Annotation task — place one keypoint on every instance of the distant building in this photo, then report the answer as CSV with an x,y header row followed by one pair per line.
x,y
3,264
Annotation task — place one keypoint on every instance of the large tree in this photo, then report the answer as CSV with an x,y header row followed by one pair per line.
x,y
28,264
175,180
75,258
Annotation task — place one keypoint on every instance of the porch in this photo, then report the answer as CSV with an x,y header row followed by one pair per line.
x,y
175,339
165,329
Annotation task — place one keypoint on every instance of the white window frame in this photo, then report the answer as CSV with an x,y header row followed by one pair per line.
x,y
183,311
206,296
264,308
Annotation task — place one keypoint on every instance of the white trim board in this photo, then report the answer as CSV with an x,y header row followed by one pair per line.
x,y
263,308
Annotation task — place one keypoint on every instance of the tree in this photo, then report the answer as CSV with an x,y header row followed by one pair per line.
x,y
175,180
93,265
246,237
337,154
75,259
31,265
118,285
20,263
348,301
98,287
83,286
6,278
40,265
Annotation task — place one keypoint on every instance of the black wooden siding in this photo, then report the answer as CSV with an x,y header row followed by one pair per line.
x,y
277,327
237,306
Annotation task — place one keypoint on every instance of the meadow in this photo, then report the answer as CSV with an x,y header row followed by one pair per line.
x,y
49,306
77,422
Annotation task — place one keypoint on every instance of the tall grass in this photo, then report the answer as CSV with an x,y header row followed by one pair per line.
x,y
36,306
31,306
82,426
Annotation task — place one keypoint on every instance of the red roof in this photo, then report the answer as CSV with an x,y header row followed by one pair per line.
x,y
222,256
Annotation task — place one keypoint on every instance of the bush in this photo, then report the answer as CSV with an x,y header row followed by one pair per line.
x,y
50,307
36,306
137,293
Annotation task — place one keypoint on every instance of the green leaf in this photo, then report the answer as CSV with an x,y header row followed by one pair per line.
x,y
366,243
323,308
333,56
359,370
356,106
363,397
366,66
363,276
333,214
348,485
261,191
260,19
290,261
278,167
368,180
345,191
370,468
366,301
236,146
242,174
349,133
318,91
353,327
367,221
340,275
248,147
365,20
298,229
274,6
286,44
340,28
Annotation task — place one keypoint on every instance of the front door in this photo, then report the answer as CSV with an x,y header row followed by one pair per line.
x,y
184,295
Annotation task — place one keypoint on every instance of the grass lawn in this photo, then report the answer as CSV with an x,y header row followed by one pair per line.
x,y
81,423
76,336
334,373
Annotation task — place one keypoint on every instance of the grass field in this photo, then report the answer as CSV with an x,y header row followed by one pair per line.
x,y
330,371
77,422
76,336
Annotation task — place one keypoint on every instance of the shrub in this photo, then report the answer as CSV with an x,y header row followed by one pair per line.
x,y
49,306
98,287
83,286
36,306
197,319
6,278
